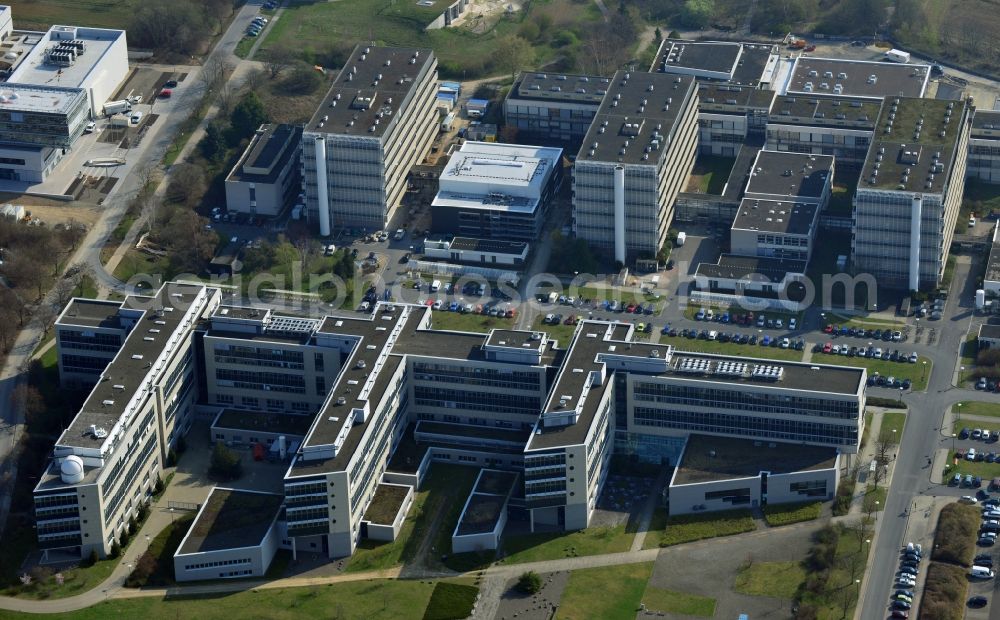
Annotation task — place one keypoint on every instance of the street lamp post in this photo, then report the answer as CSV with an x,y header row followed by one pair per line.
x,y
923,372
953,442
876,510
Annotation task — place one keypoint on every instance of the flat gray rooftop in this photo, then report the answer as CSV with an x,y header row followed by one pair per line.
x,y
268,155
856,78
711,459
231,519
714,56
91,313
790,175
120,380
34,69
791,218
560,87
495,246
986,124
915,147
846,112
41,98
760,268
637,106
732,98
993,263
264,421
987,330
371,87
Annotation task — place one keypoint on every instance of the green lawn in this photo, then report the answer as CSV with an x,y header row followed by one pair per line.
x,y
728,348
163,548
562,333
970,407
450,487
384,599
893,421
608,593
244,46
443,486
710,174
786,514
457,321
310,29
976,468
75,580
673,602
558,545
451,601
777,579
918,373
866,323
665,530
40,14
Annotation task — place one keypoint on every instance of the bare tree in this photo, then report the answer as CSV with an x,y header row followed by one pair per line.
x,y
255,78
278,59
45,314
65,289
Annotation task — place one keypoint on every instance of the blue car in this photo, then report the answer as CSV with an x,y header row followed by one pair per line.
x,y
725,317
453,306
766,341
665,330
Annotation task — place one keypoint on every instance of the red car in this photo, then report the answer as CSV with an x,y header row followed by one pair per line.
x,y
811,48
828,329
630,308
827,347
165,93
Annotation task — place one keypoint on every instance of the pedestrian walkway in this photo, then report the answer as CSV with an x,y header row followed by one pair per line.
x,y
652,501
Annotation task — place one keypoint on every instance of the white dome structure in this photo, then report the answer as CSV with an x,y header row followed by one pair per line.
x,y
71,469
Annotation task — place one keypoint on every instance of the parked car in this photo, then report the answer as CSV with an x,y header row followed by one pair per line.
x,y
977,602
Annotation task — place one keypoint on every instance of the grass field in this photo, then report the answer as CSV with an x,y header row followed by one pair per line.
x,y
40,14
450,601
672,602
375,599
728,348
778,579
442,487
309,28
665,530
562,333
457,321
710,174
975,468
558,545
969,407
893,421
918,373
866,323
786,514
609,593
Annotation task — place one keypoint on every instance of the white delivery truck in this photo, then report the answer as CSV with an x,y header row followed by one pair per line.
x,y
114,107
448,121
435,285
681,238
899,56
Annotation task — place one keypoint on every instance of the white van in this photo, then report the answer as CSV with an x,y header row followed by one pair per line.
x,y
981,572
135,118
435,285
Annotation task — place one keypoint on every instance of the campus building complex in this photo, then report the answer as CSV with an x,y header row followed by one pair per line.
x,y
359,407
554,108
376,122
984,147
910,191
634,161
54,83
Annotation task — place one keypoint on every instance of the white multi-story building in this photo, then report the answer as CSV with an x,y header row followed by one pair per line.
x,y
837,126
58,80
984,147
910,191
634,161
266,176
106,462
489,190
376,122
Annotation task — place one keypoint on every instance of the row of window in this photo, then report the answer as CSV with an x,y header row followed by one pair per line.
x,y
748,426
426,396
217,563
744,401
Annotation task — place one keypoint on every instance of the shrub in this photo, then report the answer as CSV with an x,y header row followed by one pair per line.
x,y
226,464
944,592
116,549
171,457
786,514
158,487
955,539
821,557
123,539
92,558
145,567
691,527
826,535
529,582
